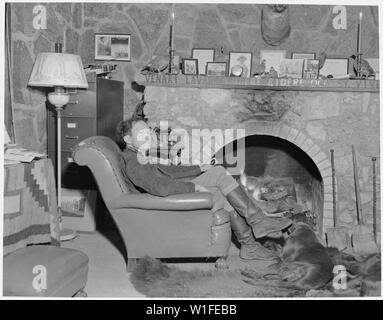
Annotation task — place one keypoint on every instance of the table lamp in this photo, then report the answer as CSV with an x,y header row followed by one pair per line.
x,y
60,71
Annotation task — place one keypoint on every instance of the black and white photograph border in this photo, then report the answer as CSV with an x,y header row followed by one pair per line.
x,y
287,202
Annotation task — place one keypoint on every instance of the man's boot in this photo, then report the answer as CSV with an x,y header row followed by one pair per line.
x,y
261,224
250,249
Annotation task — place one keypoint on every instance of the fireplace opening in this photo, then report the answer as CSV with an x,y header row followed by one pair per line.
x,y
285,179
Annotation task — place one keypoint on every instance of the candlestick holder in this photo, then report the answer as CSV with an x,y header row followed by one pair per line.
x,y
358,65
171,68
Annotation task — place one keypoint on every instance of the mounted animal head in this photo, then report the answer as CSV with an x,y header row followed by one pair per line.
x,y
275,24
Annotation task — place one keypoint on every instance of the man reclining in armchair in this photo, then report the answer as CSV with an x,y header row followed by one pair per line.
x,y
248,221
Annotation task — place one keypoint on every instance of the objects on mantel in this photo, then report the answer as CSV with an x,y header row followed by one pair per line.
x,y
362,68
260,83
358,59
157,64
171,46
374,63
174,66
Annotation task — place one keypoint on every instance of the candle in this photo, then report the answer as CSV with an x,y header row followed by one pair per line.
x,y
172,43
171,38
360,33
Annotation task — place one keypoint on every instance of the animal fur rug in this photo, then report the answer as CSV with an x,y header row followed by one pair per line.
x,y
153,278
156,279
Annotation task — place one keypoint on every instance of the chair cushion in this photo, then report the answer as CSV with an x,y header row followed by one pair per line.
x,y
25,271
177,202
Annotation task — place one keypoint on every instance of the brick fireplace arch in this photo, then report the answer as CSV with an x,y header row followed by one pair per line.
x,y
307,145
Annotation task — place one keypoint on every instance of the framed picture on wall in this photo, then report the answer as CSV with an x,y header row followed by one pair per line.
x,y
190,66
240,64
272,58
112,47
336,68
218,69
203,55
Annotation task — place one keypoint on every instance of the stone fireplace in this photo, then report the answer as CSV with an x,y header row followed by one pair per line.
x,y
289,131
274,161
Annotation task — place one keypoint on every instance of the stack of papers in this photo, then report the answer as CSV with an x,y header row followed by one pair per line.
x,y
17,155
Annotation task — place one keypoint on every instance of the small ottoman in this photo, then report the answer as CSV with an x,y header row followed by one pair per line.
x,y
45,271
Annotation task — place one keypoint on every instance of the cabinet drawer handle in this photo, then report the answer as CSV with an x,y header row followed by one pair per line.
x,y
71,137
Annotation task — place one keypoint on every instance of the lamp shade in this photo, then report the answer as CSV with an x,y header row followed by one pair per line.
x,y
58,69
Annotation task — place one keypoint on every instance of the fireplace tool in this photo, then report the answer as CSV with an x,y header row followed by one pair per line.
x,y
362,238
337,236
374,199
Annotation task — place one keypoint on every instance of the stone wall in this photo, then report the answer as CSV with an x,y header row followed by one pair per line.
x,y
222,26
314,121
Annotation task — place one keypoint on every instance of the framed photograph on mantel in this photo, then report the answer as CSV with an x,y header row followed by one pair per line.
x,y
291,68
240,64
203,55
336,68
218,69
190,66
112,46
272,58
303,55
311,69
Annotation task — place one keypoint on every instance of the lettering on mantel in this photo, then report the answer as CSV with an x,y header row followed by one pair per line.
x,y
161,78
371,84
169,79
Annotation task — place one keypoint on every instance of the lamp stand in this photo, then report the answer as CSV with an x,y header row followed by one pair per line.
x,y
59,99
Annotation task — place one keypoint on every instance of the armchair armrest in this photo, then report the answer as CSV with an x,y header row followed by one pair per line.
x,y
179,202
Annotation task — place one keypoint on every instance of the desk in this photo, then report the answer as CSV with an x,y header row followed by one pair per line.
x,y
30,205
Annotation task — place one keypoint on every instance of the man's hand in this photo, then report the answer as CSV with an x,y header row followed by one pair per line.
x,y
199,188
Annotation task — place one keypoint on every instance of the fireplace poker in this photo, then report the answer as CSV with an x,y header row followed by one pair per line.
x,y
362,239
337,236
374,199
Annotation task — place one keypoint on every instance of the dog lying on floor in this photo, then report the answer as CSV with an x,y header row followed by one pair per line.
x,y
306,264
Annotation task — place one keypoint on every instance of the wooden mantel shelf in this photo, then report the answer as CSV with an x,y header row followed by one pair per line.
x,y
190,81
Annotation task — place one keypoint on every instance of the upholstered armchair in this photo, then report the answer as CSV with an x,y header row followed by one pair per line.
x,y
178,226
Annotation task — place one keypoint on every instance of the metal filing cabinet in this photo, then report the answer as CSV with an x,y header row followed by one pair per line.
x,y
91,112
